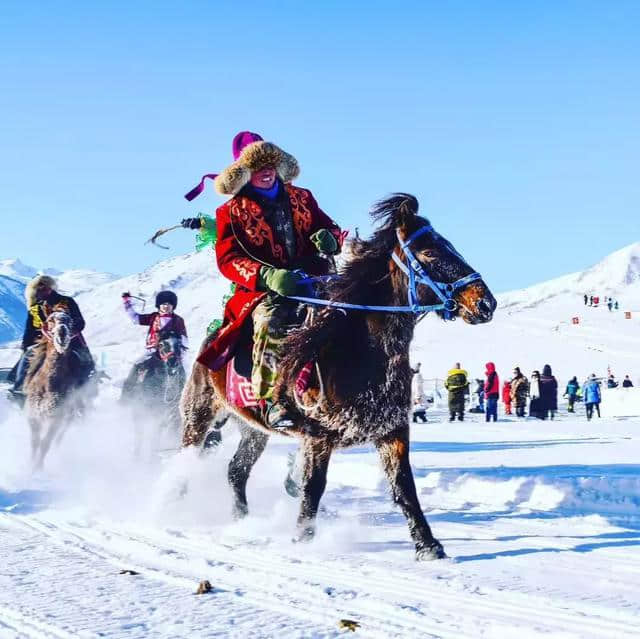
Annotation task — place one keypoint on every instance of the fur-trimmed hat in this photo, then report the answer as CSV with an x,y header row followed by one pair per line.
x,y
166,297
251,153
254,157
34,284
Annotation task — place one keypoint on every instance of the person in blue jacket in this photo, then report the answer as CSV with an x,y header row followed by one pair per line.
x,y
592,396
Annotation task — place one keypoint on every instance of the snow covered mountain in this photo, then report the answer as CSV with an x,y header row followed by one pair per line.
x,y
532,326
14,276
12,308
617,275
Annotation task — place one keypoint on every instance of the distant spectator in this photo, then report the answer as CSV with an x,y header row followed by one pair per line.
x,y
610,305
611,381
586,299
491,392
591,300
506,396
535,404
478,392
419,410
457,385
626,382
519,391
572,392
418,383
548,393
616,306
592,396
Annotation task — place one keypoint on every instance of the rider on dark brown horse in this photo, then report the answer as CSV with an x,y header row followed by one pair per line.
x,y
269,233
160,323
42,298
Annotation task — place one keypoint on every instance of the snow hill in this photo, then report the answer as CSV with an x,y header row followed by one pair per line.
x,y
532,326
535,326
14,276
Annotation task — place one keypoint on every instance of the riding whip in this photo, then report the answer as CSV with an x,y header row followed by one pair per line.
x,y
159,233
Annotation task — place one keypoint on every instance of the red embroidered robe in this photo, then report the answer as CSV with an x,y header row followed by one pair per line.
x,y
246,242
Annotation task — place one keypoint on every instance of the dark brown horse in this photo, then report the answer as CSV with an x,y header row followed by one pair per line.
x,y
363,379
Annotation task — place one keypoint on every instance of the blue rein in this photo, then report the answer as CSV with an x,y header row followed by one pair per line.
x,y
416,274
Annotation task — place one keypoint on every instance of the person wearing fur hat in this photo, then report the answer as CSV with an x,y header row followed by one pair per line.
x,y
42,296
269,235
160,323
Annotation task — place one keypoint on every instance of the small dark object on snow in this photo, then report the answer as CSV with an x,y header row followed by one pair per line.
x,y
349,624
128,571
204,587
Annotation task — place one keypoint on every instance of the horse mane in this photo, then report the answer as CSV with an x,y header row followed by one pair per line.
x,y
360,279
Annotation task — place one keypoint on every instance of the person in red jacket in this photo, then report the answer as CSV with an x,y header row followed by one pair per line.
x,y
269,235
506,397
491,392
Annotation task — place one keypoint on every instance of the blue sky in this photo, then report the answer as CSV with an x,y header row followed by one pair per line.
x,y
517,125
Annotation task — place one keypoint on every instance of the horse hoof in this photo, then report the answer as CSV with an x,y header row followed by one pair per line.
x,y
434,551
305,535
240,511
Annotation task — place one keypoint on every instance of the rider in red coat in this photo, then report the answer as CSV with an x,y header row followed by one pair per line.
x,y
270,233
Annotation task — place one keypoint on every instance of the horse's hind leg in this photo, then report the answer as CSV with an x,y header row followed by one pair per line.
x,y
394,452
316,454
251,446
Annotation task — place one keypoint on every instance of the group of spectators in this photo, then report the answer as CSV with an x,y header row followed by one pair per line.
x,y
540,392
594,300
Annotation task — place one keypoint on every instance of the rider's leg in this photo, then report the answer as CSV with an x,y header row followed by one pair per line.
x,y
21,371
272,319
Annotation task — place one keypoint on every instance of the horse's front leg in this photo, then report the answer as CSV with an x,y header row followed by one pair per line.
x,y
315,454
394,452
35,427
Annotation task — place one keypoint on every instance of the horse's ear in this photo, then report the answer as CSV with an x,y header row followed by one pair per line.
x,y
406,213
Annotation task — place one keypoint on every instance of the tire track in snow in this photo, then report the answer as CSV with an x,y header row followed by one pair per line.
x,y
80,590
24,626
266,587
279,571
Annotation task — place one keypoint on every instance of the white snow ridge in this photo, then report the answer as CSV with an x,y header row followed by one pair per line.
x,y
540,519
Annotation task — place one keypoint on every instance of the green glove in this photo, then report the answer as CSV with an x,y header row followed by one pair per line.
x,y
279,280
325,242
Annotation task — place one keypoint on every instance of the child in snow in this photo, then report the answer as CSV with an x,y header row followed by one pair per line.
x,y
506,397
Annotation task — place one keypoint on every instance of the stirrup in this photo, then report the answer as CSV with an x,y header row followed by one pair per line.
x,y
277,416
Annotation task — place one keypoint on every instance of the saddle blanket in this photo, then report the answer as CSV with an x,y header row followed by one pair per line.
x,y
239,390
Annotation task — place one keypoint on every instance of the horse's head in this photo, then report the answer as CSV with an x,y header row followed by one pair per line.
x,y
170,351
58,330
428,271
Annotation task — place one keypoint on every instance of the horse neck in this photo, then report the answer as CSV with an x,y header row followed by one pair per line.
x,y
56,364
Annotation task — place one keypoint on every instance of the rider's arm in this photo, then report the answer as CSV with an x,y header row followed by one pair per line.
x,y
233,261
29,332
129,310
322,221
76,316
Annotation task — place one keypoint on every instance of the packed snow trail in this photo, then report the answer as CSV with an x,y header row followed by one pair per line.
x,y
541,520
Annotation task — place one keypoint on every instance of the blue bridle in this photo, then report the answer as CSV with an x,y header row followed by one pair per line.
x,y
417,275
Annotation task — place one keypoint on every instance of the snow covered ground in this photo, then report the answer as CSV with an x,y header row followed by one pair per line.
x,y
541,520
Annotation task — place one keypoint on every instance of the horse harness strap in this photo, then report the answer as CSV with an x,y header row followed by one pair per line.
x,y
417,275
